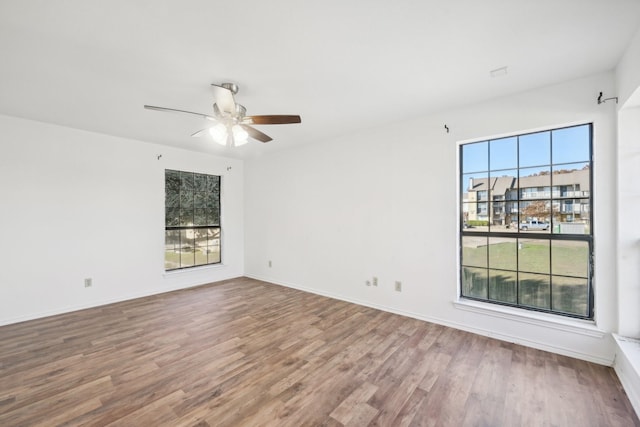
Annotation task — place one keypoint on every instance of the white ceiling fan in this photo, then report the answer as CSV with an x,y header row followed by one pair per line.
x,y
232,127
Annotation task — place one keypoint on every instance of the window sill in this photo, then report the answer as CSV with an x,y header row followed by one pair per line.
x,y
186,271
576,326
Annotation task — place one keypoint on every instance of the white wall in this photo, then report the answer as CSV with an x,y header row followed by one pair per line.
x,y
628,79
628,216
383,203
627,363
628,71
76,204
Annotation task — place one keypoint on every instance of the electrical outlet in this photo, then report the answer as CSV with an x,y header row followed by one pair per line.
x,y
88,282
270,264
368,283
375,281
398,286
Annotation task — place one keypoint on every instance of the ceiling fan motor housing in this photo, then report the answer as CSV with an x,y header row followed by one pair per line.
x,y
231,87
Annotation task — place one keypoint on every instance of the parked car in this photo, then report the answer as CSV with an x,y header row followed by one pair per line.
x,y
533,225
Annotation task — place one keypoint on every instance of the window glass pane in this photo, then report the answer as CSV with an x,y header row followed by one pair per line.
x,y
573,176
172,249
200,217
199,200
534,290
503,184
186,240
199,182
172,217
475,194
475,157
534,256
513,215
186,199
210,200
213,217
186,181
171,239
213,237
214,255
570,258
216,206
472,183
172,200
535,183
200,239
570,295
571,144
502,195
482,217
572,216
534,149
529,224
474,251
497,217
171,259
503,153
503,253
172,181
213,184
213,245
186,248
474,282
186,217
502,286
201,256
469,216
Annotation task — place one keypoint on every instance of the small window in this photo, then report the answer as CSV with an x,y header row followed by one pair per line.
x,y
532,249
192,219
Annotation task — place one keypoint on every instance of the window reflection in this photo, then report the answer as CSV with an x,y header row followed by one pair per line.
x,y
475,157
571,144
503,153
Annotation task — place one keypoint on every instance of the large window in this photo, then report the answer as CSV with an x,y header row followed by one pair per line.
x,y
192,219
526,236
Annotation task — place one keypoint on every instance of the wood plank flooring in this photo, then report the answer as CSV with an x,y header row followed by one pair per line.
x,y
249,353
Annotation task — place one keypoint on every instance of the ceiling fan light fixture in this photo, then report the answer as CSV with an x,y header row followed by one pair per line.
x,y
231,126
240,136
219,133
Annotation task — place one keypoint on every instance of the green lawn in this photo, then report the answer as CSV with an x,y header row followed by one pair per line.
x,y
176,259
533,256
490,273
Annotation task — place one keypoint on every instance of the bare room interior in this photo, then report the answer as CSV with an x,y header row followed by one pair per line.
x,y
330,213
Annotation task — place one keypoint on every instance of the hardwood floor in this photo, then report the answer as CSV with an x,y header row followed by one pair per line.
x,y
244,352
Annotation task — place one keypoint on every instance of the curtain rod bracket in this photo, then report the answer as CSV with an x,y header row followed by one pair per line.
x,y
602,101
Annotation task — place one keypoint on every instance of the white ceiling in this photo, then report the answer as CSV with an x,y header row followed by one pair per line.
x,y
343,65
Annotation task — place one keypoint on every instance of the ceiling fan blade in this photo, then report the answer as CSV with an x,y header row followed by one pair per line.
x,y
200,132
173,110
271,120
256,134
224,99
